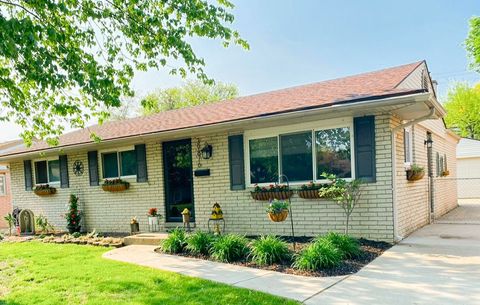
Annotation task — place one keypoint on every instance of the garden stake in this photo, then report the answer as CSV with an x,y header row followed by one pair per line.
x,y
290,208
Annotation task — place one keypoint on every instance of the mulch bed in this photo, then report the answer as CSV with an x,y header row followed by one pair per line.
x,y
370,250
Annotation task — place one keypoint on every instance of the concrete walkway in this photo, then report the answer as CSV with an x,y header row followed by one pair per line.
x,y
295,287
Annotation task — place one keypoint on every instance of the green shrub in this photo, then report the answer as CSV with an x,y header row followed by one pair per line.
x,y
229,248
200,242
76,234
319,254
269,250
175,242
348,246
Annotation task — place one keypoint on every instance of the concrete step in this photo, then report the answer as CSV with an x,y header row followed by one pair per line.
x,y
152,239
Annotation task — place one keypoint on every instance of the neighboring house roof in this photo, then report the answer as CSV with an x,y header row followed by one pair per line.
x,y
367,86
468,148
9,146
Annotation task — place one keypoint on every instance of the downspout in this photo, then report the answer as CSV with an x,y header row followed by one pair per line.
x,y
430,115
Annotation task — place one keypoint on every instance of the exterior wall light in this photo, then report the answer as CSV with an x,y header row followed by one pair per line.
x,y
207,151
428,142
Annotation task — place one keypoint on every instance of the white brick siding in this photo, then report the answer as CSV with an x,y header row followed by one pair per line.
x,y
111,212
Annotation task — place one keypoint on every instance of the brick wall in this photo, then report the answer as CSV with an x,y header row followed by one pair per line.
x,y
412,196
5,201
111,212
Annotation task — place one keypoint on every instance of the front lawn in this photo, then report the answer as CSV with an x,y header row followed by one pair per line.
x,y
37,273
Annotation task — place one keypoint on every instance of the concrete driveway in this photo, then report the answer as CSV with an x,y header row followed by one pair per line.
x,y
439,264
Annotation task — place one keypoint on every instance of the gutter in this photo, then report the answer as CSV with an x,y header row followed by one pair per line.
x,y
376,102
430,115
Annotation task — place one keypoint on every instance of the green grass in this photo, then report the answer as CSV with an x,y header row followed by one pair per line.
x,y
37,273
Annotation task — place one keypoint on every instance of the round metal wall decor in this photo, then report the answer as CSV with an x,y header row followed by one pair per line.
x,y
78,168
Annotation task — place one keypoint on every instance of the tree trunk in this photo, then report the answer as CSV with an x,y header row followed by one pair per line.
x,y
347,223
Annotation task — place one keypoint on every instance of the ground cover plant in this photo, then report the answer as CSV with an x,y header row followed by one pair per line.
x,y
39,273
268,250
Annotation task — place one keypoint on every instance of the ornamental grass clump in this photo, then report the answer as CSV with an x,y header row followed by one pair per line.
x,y
199,243
175,242
230,248
347,245
318,255
268,250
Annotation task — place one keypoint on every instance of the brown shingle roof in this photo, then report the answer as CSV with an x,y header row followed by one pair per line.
x,y
316,95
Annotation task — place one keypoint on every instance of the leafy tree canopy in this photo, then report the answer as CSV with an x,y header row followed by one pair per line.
x,y
63,61
463,110
192,93
472,43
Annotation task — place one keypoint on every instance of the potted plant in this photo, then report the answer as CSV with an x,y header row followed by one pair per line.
x,y
153,217
274,191
115,185
311,190
415,172
44,190
277,210
134,226
74,215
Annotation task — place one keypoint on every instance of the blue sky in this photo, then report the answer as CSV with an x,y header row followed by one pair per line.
x,y
298,42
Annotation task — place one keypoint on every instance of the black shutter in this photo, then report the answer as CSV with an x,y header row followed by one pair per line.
x,y
93,167
437,171
64,183
235,157
140,151
27,169
364,136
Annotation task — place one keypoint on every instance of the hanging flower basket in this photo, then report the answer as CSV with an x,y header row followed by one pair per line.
x,y
44,190
116,185
278,217
414,176
270,195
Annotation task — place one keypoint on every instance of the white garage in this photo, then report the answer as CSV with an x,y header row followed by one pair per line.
x,y
468,168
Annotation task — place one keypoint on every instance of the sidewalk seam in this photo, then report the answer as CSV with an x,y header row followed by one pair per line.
x,y
255,277
326,288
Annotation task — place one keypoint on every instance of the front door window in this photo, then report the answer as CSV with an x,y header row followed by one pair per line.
x,y
177,157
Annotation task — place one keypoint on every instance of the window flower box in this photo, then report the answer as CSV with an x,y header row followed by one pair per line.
x,y
277,191
115,185
44,190
311,190
277,211
415,172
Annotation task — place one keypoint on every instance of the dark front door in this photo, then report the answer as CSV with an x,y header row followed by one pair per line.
x,y
177,164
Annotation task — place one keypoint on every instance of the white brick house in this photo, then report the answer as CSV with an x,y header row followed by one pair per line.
x,y
360,120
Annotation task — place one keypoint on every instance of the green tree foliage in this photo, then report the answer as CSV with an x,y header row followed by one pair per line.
x,y
64,61
463,110
192,93
472,43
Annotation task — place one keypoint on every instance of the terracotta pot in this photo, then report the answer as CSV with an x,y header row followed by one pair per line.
x,y
270,195
115,187
411,176
278,217
309,194
45,192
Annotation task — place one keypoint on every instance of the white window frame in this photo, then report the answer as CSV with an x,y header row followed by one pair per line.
x,y
408,137
117,151
3,190
271,132
54,183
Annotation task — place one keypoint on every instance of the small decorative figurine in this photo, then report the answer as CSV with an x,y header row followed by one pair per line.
x,y
186,219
